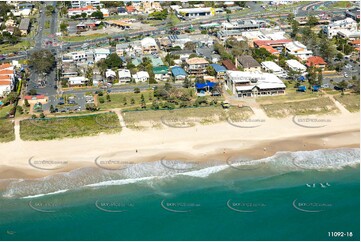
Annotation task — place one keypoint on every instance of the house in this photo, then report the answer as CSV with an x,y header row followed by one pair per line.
x,y
88,10
124,76
141,76
178,73
208,53
100,53
298,49
296,66
248,63
161,73
151,6
356,44
131,10
195,12
110,75
253,84
316,61
229,65
183,54
270,50
24,26
349,34
201,39
196,66
7,79
333,28
272,67
276,44
69,69
179,40
149,46
77,81
156,61
220,71
164,43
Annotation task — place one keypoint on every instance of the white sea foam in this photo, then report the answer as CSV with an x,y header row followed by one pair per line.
x,y
150,172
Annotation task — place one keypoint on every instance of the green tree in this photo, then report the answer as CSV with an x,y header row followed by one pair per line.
x,y
343,85
64,26
187,83
136,90
97,15
108,98
125,101
312,21
42,61
132,101
210,71
52,110
113,61
26,103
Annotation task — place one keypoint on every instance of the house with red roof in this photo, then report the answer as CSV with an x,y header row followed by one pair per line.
x,y
316,61
7,79
270,49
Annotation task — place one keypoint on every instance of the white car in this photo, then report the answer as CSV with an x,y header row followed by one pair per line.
x,y
345,75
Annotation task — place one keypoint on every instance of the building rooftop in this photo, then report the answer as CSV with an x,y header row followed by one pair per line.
x,y
229,65
24,24
248,61
178,71
197,60
315,60
218,68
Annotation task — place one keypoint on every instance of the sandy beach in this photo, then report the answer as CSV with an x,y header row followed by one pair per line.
x,y
200,143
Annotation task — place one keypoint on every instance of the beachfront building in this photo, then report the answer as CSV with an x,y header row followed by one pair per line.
x,y
7,79
248,63
333,28
178,73
316,61
196,66
100,53
195,12
149,46
253,84
220,71
124,76
296,66
298,49
141,76
272,67
161,73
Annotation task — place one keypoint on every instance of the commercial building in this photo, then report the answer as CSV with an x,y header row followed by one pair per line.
x,y
333,28
253,84
298,49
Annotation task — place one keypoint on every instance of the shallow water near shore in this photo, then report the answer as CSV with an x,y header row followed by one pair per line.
x,y
289,196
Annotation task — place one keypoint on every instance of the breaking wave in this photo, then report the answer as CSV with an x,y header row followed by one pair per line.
x,y
281,162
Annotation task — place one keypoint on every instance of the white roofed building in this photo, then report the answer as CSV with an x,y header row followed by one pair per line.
x,y
295,65
124,76
272,67
77,81
253,84
298,49
141,76
149,45
333,28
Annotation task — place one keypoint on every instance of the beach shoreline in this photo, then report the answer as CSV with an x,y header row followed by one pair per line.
x,y
200,143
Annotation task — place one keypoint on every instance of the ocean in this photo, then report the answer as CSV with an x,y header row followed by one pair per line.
x,y
305,195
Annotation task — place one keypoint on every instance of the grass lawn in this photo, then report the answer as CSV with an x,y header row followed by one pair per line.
x,y
238,114
117,99
67,127
291,95
82,38
185,117
341,4
306,107
350,101
6,126
8,48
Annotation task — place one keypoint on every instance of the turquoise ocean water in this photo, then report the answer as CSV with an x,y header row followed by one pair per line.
x,y
289,196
